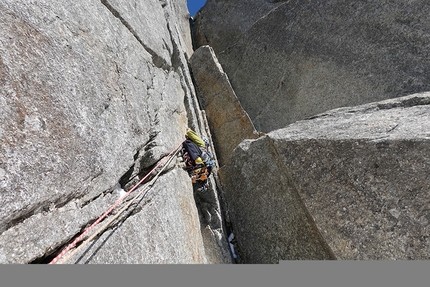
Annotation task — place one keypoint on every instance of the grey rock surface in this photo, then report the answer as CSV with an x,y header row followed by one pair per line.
x,y
269,220
361,173
228,122
288,60
166,228
94,93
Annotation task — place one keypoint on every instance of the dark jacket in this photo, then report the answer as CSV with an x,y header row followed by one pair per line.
x,y
192,149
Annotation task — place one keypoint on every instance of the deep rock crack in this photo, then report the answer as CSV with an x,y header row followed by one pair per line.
x,y
158,61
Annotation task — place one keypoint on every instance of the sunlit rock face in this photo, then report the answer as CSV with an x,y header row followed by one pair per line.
x,y
351,184
228,122
289,60
94,93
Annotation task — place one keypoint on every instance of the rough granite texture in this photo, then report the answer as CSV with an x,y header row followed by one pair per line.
x,y
360,172
228,122
93,93
288,60
166,228
269,220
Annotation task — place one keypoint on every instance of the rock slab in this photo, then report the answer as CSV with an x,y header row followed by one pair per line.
x,y
228,122
361,173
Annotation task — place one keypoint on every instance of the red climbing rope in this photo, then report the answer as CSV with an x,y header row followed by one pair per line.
x,y
79,238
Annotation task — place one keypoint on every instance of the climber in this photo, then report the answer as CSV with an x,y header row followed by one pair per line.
x,y
198,160
205,156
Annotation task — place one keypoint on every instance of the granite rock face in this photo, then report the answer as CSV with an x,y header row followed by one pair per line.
x,y
269,220
288,60
360,173
93,93
228,122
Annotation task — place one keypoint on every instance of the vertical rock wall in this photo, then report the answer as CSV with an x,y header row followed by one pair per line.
x,y
289,60
350,184
269,220
93,93
228,122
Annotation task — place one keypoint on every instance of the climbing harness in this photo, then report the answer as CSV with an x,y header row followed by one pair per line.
x,y
79,238
199,174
